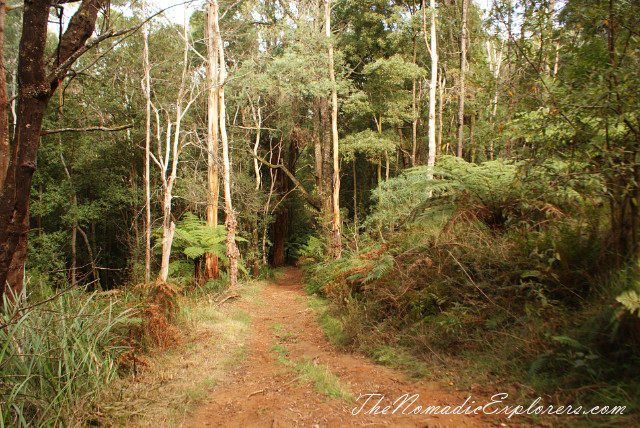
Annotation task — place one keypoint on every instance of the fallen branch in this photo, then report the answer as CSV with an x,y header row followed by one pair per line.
x,y
256,393
232,296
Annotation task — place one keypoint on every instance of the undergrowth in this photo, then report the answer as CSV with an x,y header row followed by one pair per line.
x,y
501,264
59,350
55,354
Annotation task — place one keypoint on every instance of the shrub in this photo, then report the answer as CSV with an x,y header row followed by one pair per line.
x,y
55,354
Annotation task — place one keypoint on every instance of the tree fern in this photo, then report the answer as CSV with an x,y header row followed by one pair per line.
x,y
500,191
194,237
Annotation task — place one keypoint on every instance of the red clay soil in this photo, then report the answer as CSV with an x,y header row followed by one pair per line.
x,y
263,392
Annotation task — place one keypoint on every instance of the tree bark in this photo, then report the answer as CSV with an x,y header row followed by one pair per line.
x,y
5,148
147,149
414,111
230,218
317,142
431,160
34,93
325,190
463,69
168,226
336,225
281,223
273,173
213,187
495,62
442,81
257,117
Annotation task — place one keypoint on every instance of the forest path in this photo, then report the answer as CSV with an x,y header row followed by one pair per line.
x,y
289,359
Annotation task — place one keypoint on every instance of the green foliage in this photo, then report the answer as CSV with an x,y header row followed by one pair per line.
x,y
372,144
631,301
56,355
46,264
387,83
483,252
194,237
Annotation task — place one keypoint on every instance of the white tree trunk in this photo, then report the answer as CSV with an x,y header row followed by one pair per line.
x,y
431,160
230,217
463,69
257,118
213,186
337,226
495,62
147,149
414,110
173,152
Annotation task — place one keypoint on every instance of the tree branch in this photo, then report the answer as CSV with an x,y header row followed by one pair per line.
x,y
314,204
92,128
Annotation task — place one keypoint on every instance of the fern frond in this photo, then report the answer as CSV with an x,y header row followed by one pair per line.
x,y
631,301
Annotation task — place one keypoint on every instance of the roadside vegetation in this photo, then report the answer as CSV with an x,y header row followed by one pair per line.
x,y
489,272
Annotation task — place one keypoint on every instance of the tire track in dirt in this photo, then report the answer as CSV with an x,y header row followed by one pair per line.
x,y
264,392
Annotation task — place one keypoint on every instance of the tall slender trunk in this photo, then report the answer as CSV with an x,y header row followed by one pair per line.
x,y
556,62
5,147
433,51
442,81
414,111
213,187
257,117
230,218
463,69
325,190
168,226
355,200
317,142
495,62
274,175
472,143
74,253
147,149
386,165
406,154
547,37
282,217
336,224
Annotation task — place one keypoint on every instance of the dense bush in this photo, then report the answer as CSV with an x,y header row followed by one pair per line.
x,y
498,253
54,356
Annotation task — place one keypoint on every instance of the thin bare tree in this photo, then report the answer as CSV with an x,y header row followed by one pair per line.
x,y
146,87
230,218
213,121
433,52
463,70
336,224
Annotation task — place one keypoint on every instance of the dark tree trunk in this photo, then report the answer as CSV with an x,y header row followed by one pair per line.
x,y
280,233
283,217
198,277
5,148
35,89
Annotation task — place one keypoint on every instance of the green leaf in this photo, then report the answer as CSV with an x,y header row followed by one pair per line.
x,y
631,301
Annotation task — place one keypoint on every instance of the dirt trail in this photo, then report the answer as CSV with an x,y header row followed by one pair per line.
x,y
265,392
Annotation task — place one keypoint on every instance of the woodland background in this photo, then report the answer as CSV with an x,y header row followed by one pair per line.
x,y
461,184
